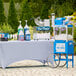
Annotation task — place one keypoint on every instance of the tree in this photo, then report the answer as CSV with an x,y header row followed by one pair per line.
x,y
14,0
12,16
64,10
27,14
75,33
18,1
74,5
36,7
2,16
44,12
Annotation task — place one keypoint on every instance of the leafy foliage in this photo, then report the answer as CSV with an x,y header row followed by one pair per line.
x,y
2,16
27,14
12,16
75,50
6,28
44,12
75,34
34,9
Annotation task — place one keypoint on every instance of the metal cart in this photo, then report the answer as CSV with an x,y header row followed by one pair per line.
x,y
63,44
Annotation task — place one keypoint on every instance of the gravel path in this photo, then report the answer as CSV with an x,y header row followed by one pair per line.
x,y
34,68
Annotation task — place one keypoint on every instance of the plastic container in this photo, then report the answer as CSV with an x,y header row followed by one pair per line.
x,y
25,29
15,36
0,36
21,36
8,36
20,28
28,38
4,37
11,36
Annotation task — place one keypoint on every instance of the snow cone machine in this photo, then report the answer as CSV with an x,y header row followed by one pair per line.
x,y
63,44
42,32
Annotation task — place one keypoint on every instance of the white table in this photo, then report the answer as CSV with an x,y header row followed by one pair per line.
x,y
13,51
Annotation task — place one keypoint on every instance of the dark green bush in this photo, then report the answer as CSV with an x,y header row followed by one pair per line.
x,y
44,12
2,16
27,14
12,16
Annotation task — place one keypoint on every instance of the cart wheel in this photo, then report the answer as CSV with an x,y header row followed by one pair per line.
x,y
51,62
62,63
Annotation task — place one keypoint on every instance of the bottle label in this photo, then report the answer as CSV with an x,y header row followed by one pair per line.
x,y
19,31
21,37
6,35
28,37
0,35
3,35
25,30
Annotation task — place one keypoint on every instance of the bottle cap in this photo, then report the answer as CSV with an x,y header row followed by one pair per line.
x,y
20,26
26,26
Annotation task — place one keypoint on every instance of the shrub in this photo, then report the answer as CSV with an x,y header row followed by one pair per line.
x,y
6,28
12,16
2,16
74,50
74,34
0,29
44,12
27,14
